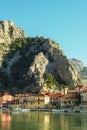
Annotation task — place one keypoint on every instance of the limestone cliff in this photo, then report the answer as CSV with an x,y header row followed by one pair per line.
x,y
77,64
8,33
33,63
81,69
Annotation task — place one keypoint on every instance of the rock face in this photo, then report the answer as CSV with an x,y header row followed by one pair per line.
x,y
83,75
8,33
29,62
77,64
38,68
81,69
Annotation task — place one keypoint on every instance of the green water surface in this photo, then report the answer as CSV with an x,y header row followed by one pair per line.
x,y
43,121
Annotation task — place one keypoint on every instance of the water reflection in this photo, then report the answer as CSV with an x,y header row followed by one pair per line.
x,y
6,119
73,121
43,121
46,122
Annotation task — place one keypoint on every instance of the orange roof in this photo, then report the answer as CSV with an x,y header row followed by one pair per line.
x,y
55,95
39,95
69,96
5,94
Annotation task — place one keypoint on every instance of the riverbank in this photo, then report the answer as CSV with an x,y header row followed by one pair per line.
x,y
43,110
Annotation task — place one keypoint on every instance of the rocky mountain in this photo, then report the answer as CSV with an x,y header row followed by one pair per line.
x,y
81,69
31,64
8,33
83,75
77,64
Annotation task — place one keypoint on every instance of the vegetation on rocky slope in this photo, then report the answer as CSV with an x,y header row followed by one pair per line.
x,y
28,64
15,74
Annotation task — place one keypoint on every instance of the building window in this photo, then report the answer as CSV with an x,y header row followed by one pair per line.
x,y
38,102
69,102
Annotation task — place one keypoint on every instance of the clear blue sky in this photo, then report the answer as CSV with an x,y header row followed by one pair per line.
x,y
64,21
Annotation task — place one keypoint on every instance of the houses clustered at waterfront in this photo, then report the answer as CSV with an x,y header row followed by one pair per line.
x,y
67,98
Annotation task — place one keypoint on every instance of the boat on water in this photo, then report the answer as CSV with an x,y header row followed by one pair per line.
x,y
20,109
25,110
17,109
69,110
58,110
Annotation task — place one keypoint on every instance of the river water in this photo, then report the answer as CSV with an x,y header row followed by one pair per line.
x,y
43,121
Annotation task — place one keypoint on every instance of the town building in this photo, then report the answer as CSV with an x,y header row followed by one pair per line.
x,y
69,101
52,100
6,99
30,101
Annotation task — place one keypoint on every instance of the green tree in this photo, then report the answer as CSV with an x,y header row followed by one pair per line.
x,y
50,80
17,44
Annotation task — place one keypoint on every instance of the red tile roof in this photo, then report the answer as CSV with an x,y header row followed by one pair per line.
x,y
39,95
55,95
